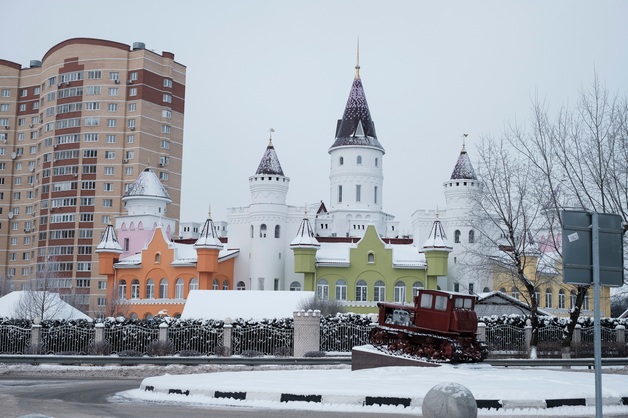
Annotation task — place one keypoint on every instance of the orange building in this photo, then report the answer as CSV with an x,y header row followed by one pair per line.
x,y
157,280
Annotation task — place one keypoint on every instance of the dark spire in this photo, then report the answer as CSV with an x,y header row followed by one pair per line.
x,y
463,169
356,126
270,163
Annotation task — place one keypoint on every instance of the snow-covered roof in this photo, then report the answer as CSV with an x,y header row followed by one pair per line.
x,y
356,126
270,162
184,254
23,305
109,241
463,169
437,239
407,256
147,185
305,236
499,303
245,304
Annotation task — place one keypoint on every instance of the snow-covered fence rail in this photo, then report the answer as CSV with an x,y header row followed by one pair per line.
x,y
130,338
199,338
263,338
342,336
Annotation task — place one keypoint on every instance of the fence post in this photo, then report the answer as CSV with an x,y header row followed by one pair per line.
x,y
528,335
35,347
481,331
99,333
577,334
307,332
227,332
620,333
163,332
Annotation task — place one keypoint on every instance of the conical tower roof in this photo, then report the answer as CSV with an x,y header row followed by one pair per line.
x,y
148,185
463,169
208,237
437,239
356,126
270,163
305,236
109,241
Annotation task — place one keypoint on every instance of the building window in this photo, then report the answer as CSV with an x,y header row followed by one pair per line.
x,y
277,231
341,290
360,291
163,289
110,155
252,231
416,286
340,194
112,107
400,292
341,161
471,289
133,76
322,290
225,285
359,160
457,236
135,289
194,284
215,284
572,299
376,162
167,98
240,286
514,292
375,195
167,82
471,236
133,91
262,231
150,289
178,288
113,91
358,192
561,299
295,287
548,298
370,258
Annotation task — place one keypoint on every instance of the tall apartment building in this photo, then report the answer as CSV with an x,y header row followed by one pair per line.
x,y
76,129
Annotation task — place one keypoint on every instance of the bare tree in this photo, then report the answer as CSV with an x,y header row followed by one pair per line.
x,y
116,304
42,295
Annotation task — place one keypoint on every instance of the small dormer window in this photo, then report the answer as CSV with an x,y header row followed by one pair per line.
x,y
157,258
359,160
341,161
370,258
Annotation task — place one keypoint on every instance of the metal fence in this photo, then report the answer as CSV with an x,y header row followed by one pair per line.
x,y
608,335
262,338
66,339
130,338
506,340
196,338
14,339
342,337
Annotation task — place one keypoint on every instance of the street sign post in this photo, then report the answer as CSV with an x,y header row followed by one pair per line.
x,y
593,254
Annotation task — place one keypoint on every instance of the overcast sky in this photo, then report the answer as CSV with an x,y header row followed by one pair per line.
x,y
431,72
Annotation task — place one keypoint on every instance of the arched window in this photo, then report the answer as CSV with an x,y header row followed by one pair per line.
x,y
252,231
277,230
457,236
400,292
215,284
514,292
370,258
178,288
295,287
135,289
359,160
471,236
194,284
163,289
150,289
379,291
240,286
548,297
415,288
360,291
341,290
122,289
537,294
322,290
486,290
341,161
502,289
585,303
572,299
561,299
262,231
225,285
376,162
148,316
157,258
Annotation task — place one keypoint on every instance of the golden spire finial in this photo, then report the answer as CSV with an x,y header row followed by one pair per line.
x,y
357,65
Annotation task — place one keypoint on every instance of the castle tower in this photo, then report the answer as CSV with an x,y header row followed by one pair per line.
x,y
436,250
146,202
267,216
108,251
304,246
207,247
356,176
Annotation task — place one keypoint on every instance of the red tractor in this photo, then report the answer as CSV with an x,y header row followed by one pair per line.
x,y
441,326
